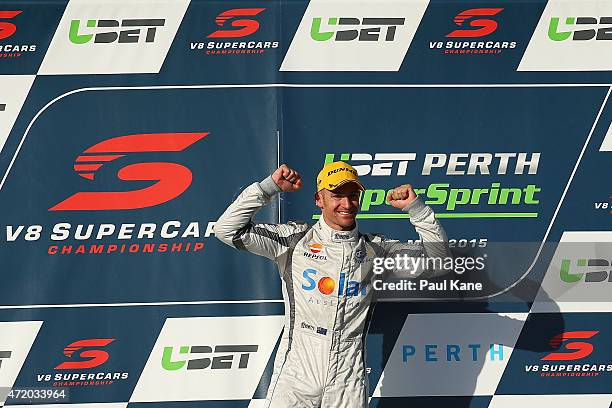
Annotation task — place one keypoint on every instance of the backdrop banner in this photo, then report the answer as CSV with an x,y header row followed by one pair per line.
x,y
127,127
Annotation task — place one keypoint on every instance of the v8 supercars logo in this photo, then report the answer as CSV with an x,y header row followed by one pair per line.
x,y
474,26
479,27
581,349
90,355
94,358
163,181
171,179
240,27
7,29
569,360
236,24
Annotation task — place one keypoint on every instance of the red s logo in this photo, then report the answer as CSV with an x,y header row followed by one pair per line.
x,y
171,179
247,26
8,29
583,349
96,357
482,26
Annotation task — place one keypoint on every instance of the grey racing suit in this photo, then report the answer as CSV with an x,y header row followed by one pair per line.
x,y
327,289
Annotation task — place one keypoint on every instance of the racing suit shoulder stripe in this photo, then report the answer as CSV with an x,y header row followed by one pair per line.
x,y
266,231
237,240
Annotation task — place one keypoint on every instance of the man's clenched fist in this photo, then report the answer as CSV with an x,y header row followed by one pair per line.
x,y
401,196
287,179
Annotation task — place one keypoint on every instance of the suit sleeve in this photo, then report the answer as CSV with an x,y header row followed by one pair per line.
x,y
424,258
237,229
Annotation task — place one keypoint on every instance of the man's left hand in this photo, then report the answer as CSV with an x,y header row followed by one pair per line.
x,y
401,196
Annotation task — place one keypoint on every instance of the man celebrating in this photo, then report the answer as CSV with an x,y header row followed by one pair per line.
x,y
327,270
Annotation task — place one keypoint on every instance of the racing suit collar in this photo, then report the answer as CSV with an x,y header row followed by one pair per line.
x,y
333,235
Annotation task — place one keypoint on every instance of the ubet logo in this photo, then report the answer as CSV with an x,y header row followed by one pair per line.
x,y
225,361
131,34
4,355
589,276
365,29
392,163
555,33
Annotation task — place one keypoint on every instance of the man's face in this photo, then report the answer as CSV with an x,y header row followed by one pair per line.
x,y
339,207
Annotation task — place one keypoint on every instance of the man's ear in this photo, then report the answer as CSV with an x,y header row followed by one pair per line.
x,y
318,199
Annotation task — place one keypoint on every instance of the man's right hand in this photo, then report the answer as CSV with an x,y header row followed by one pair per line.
x,y
287,179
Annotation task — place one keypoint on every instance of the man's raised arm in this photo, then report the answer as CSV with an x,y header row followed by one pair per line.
x,y
424,258
236,228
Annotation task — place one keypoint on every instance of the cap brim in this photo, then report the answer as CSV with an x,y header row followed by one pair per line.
x,y
361,187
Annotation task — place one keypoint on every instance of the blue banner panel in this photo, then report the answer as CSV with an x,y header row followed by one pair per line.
x,y
127,128
98,354
434,138
26,29
575,360
126,196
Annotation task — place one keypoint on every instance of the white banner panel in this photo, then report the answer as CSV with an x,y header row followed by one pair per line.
x,y
571,36
579,277
12,101
113,37
344,35
16,339
450,354
208,358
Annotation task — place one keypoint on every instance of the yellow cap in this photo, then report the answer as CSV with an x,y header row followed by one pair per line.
x,y
335,174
